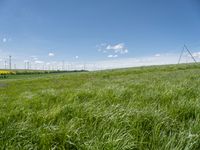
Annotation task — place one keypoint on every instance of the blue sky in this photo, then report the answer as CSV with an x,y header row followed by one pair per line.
x,y
97,30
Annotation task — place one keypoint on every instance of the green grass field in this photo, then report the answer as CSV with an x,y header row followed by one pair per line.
x,y
156,108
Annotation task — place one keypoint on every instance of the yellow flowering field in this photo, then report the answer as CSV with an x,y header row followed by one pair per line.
x,y
5,72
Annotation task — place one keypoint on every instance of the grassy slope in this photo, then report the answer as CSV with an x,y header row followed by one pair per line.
x,y
138,108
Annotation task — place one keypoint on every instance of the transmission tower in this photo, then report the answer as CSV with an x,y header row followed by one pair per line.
x,y
188,51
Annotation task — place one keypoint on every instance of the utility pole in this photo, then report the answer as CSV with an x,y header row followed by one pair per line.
x,y
28,65
5,64
25,65
10,62
84,66
63,65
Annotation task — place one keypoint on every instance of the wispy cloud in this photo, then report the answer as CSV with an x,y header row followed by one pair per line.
x,y
51,54
76,57
34,58
4,40
112,56
157,55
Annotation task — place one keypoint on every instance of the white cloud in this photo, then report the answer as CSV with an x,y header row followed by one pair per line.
x,y
157,55
119,48
51,54
4,40
112,56
99,47
77,57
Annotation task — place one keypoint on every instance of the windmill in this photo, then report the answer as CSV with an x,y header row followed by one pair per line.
x,y
185,49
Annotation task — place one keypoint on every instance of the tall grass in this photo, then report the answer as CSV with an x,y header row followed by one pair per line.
x,y
138,108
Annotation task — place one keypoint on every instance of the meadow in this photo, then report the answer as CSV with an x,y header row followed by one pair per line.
x,y
155,108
